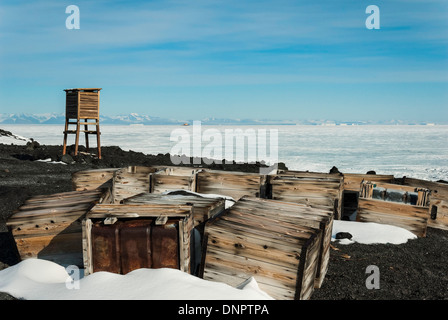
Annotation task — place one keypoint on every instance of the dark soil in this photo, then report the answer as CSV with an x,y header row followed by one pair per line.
x,y
416,270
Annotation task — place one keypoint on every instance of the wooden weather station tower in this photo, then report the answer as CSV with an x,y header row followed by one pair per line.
x,y
82,109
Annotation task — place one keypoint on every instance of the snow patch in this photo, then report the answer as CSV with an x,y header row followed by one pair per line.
x,y
37,279
49,161
229,201
371,233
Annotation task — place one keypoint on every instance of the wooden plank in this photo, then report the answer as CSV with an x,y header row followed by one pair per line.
x,y
326,192
352,181
165,183
51,246
232,184
50,226
93,179
234,279
254,247
54,224
294,214
439,218
253,239
131,181
412,218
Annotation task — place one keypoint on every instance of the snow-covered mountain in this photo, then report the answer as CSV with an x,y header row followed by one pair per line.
x,y
27,118
131,118
59,118
135,118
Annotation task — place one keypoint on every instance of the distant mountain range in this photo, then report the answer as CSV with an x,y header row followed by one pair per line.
x,y
134,118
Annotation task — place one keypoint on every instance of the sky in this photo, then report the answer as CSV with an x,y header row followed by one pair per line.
x,y
229,59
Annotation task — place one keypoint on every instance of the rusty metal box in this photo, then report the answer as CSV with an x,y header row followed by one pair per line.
x,y
122,238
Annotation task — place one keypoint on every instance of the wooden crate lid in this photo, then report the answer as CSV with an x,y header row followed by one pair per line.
x,y
239,219
136,170
310,174
208,172
288,211
58,203
139,210
335,180
176,170
178,199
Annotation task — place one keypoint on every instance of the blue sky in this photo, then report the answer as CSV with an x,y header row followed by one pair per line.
x,y
235,59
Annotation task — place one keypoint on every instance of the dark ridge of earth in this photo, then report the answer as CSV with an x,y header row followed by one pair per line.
x,y
416,270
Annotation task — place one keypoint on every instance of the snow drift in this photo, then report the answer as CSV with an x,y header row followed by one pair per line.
x,y
38,279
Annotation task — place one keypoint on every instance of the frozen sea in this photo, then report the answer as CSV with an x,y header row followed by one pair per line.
x,y
412,151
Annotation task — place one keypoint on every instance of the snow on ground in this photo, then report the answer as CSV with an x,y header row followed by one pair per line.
x,y
37,279
50,161
229,201
7,138
371,233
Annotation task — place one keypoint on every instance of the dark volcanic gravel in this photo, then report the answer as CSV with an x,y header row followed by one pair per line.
x,y
416,270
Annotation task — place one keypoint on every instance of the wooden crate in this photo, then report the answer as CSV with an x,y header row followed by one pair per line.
x,y
120,238
93,179
232,184
204,208
353,181
316,190
49,226
130,181
438,202
265,243
393,204
298,214
167,179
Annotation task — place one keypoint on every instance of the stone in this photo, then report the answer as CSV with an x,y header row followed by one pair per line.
x,y
67,159
343,235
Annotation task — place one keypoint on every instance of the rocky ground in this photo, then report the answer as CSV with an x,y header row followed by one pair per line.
x,y
416,270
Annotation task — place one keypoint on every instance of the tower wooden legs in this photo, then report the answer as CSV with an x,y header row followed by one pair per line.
x,y
86,131
98,133
65,137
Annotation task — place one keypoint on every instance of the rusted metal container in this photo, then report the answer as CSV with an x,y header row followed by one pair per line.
x,y
122,238
129,245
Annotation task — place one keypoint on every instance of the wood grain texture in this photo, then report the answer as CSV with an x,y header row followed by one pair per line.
x,y
50,226
263,238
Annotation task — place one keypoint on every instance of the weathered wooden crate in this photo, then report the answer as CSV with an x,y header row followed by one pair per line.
x,y
232,184
120,238
204,208
130,181
393,204
316,190
93,179
298,214
353,181
50,226
438,202
174,178
266,243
